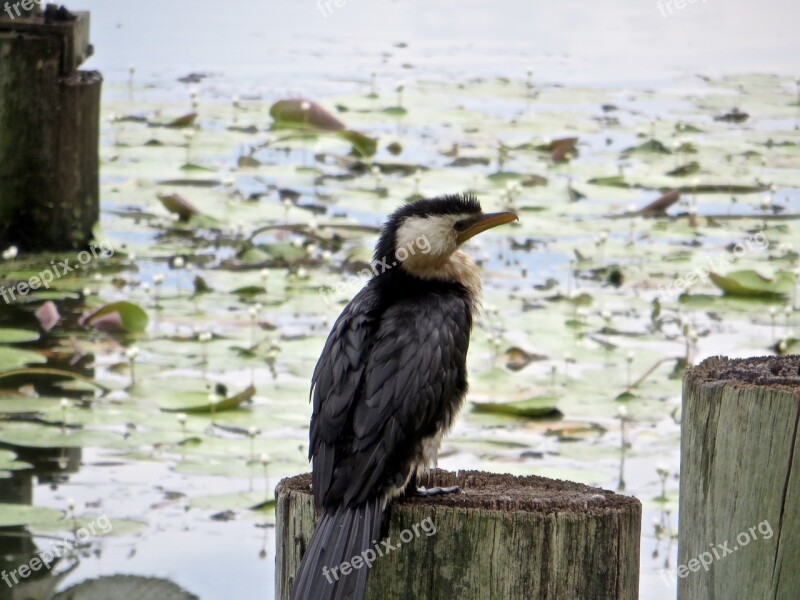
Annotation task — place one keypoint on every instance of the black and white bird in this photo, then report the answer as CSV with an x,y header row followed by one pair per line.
x,y
390,381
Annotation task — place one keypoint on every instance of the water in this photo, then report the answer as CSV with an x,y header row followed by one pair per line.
x,y
277,49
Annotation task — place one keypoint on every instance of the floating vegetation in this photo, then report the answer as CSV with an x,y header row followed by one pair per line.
x,y
188,352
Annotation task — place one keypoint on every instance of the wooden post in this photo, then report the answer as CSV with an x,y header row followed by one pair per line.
x,y
515,538
739,523
49,131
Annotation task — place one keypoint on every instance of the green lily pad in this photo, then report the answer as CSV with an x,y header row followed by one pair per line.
x,y
750,283
685,170
12,515
648,147
612,181
532,408
16,336
200,403
9,462
13,358
118,316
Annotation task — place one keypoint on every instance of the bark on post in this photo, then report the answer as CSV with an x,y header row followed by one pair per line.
x,y
739,523
515,538
49,131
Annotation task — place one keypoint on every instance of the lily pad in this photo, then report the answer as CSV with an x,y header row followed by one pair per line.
x,y
202,405
16,336
13,358
532,408
118,316
12,515
750,283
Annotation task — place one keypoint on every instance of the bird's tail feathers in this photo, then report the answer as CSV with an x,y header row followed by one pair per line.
x,y
341,534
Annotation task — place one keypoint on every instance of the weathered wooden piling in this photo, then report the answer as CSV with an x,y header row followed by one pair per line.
x,y
739,523
515,538
49,131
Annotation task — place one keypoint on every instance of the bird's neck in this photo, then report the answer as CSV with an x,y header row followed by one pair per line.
x,y
458,268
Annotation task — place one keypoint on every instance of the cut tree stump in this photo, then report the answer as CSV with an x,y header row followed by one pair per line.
x,y
739,523
501,537
49,132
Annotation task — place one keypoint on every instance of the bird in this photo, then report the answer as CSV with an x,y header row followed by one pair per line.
x,y
389,384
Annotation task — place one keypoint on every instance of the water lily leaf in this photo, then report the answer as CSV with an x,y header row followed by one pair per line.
x,y
202,405
177,204
119,587
648,147
790,345
561,149
35,372
750,283
249,290
291,113
733,116
118,316
685,170
12,358
363,145
9,462
518,358
12,515
186,120
102,525
611,181
16,336
660,205
532,408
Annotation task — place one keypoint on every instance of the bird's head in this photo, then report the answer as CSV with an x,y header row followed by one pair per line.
x,y
421,237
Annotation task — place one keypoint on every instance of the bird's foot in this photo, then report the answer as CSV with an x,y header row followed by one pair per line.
x,y
437,491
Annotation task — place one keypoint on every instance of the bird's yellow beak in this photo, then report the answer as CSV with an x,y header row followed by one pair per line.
x,y
486,222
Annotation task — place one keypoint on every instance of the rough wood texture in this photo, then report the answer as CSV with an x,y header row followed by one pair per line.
x,y
502,537
49,134
740,478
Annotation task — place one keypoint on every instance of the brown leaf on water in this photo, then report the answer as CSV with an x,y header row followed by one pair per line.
x,y
177,204
518,358
562,149
182,122
291,112
734,116
660,205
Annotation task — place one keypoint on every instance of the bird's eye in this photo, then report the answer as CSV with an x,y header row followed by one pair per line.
x,y
462,225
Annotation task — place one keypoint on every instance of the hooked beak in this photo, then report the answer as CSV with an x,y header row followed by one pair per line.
x,y
485,222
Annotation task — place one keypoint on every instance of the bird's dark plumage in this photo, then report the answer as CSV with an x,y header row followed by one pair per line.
x,y
389,383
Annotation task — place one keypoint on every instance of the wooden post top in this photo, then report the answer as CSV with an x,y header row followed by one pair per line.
x,y
501,493
71,28
771,371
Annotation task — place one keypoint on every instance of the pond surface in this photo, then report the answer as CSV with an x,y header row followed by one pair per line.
x,y
582,298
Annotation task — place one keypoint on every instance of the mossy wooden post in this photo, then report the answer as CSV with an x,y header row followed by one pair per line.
x,y
49,131
739,523
502,537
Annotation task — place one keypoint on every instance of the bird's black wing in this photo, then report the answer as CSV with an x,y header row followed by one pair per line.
x,y
410,383
336,385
